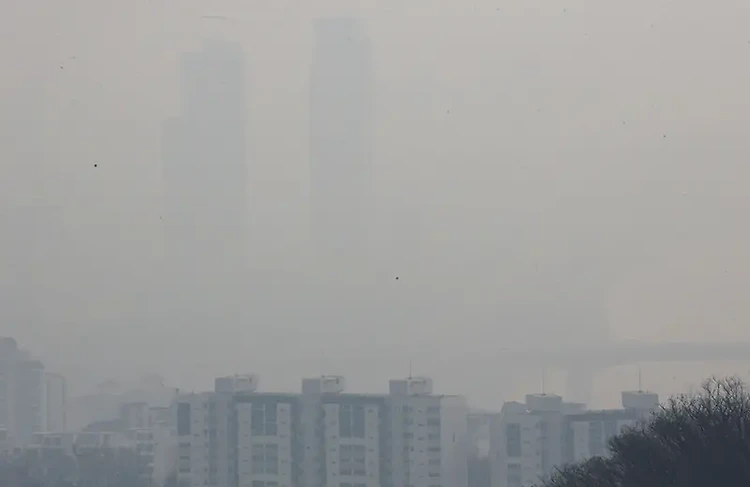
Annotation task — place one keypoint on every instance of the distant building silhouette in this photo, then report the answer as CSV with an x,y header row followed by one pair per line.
x,y
31,400
529,440
205,178
341,139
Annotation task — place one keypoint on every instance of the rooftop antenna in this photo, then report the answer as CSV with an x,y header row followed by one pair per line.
x,y
410,364
543,374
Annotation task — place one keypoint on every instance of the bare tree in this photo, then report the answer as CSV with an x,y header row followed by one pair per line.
x,y
694,440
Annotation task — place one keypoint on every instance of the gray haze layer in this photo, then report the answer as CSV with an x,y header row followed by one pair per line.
x,y
533,172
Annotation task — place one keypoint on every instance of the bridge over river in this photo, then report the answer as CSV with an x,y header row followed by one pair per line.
x,y
581,362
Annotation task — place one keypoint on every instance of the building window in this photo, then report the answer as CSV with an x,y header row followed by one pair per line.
x,y
513,439
265,459
263,420
515,478
260,483
348,484
352,460
183,419
351,421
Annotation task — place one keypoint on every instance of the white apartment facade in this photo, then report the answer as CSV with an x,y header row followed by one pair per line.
x,y
312,455
31,401
529,440
590,432
266,440
207,433
156,450
206,440
164,456
426,436
322,437
352,433
192,412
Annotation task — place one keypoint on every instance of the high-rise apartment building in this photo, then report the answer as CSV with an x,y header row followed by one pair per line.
x,y
343,435
31,401
428,443
322,437
589,432
194,446
266,440
208,433
341,149
529,440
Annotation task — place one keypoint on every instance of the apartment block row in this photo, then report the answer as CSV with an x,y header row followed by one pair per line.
x,y
142,434
321,437
529,440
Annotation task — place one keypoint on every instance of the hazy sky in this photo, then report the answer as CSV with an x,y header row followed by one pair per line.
x,y
542,170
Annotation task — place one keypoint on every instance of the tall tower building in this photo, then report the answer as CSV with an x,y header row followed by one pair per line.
x,y
31,401
341,140
205,178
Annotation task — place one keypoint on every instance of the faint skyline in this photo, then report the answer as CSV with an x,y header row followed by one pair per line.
x,y
341,148
205,167
570,172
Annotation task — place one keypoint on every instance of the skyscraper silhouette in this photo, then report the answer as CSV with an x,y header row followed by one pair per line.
x,y
205,179
341,140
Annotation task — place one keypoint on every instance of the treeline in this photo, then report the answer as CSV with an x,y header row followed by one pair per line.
x,y
694,440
